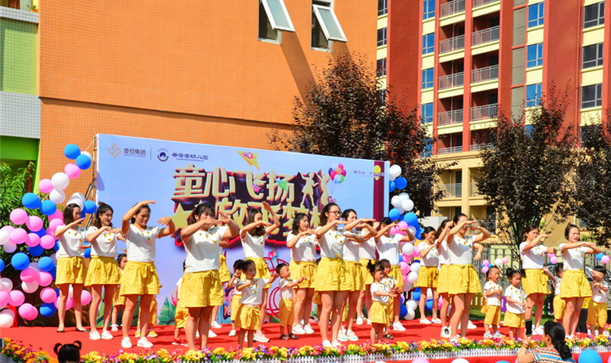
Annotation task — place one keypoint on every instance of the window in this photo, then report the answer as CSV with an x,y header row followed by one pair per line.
x,y
592,55
426,112
325,26
382,7
594,15
381,67
535,14
428,43
382,95
592,96
428,148
428,9
382,37
535,55
273,17
427,78
533,95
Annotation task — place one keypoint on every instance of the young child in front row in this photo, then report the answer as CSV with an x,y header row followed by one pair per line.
x,y
381,294
235,299
286,301
493,293
391,284
118,300
249,313
597,309
516,301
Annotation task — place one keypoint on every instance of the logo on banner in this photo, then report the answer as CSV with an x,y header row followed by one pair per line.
x,y
163,155
114,150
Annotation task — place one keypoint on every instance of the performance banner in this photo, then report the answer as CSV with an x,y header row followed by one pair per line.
x,y
178,176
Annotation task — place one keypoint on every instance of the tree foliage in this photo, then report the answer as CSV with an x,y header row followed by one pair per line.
x,y
345,114
526,169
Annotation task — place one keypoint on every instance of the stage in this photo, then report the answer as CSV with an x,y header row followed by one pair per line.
x,y
417,341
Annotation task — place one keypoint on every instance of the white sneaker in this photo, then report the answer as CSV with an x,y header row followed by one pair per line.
x,y
341,336
538,330
570,337
359,321
605,333
211,334
596,333
455,339
425,321
327,344
487,335
94,335
261,338
298,330
336,344
115,327
498,334
436,321
308,329
445,332
398,327
215,325
471,325
197,333
351,336
342,329
126,343
106,335
368,322
144,343
232,333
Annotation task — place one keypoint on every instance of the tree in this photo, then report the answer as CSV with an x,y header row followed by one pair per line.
x,y
346,114
526,169
592,184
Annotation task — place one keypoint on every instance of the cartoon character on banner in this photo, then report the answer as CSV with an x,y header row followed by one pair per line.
x,y
338,175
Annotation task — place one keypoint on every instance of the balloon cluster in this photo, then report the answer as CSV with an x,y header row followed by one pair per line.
x,y
337,173
396,181
30,230
602,258
498,262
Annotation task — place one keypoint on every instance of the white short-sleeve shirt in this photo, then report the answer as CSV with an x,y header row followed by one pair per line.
x,y
432,258
368,249
598,295
252,295
533,258
332,243
389,282
516,294
254,246
141,243
574,258
375,286
444,257
494,299
71,241
305,248
352,249
203,249
285,291
557,286
105,245
460,251
388,248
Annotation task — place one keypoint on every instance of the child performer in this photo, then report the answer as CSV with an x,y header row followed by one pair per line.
x,y
391,285
559,304
225,277
516,302
235,299
181,314
428,274
443,283
367,254
493,293
380,295
286,301
597,309
118,300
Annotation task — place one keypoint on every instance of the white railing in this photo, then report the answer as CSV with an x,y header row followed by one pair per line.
x,y
449,150
452,44
452,7
480,147
453,190
484,74
485,112
450,117
474,191
485,36
451,80
477,3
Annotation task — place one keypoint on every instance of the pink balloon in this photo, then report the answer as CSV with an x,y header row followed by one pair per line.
x,y
553,260
393,230
47,242
34,223
28,312
16,298
45,278
18,236
69,303
85,297
439,303
4,298
416,253
72,171
56,223
45,186
19,216
7,229
33,240
402,224
57,215
604,259
401,232
404,267
48,295
29,275
505,260
9,247
485,269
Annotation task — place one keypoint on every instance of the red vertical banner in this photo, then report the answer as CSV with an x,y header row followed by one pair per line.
x,y
379,190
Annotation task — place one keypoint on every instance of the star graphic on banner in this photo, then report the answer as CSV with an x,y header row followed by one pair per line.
x,y
180,217
250,158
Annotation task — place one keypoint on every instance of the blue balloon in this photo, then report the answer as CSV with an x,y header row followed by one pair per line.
x,y
418,231
35,251
411,219
394,214
48,310
83,162
400,257
45,264
416,295
88,253
589,356
429,305
30,201
502,361
403,311
401,182
54,274
47,207
20,261
391,186
2,265
90,207
72,151
599,256
56,247
41,233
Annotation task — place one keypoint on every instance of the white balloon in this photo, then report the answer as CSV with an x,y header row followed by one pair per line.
x,y
411,314
70,291
54,258
498,262
392,177
57,196
60,181
395,201
411,304
9,247
6,284
395,170
408,249
34,265
400,209
407,205
3,237
86,153
29,287
429,294
7,317
412,277
415,267
404,195
412,230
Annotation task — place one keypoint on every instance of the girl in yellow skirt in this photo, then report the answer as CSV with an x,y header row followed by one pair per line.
x,y
103,270
367,254
201,288
301,240
330,273
516,303
380,296
535,282
249,314
492,309
118,301
140,278
388,248
465,282
443,279
428,274
559,304
225,277
235,299
71,269
574,287
253,237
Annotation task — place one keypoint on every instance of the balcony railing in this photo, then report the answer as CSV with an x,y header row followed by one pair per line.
x,y
485,112
477,3
474,191
479,147
451,80
452,44
453,190
449,150
452,7
450,117
485,36
484,74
